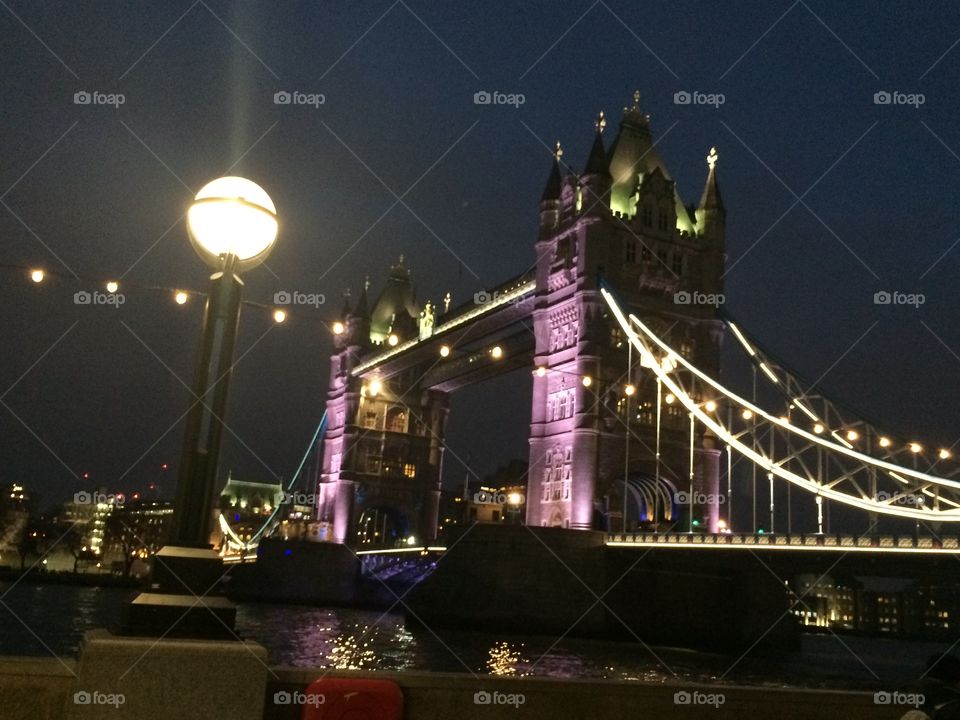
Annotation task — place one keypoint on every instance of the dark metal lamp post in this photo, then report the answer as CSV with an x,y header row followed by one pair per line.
x,y
233,226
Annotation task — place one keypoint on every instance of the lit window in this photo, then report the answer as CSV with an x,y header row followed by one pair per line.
x,y
410,470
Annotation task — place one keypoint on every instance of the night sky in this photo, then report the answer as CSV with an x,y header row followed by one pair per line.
x,y
99,191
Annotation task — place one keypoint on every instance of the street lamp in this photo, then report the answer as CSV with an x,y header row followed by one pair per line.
x,y
232,225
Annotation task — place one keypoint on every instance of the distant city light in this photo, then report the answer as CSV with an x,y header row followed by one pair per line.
x,y
37,275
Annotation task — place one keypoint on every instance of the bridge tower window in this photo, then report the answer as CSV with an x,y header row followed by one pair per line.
x,y
631,251
396,420
647,216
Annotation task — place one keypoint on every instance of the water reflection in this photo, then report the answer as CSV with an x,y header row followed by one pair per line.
x,y
43,619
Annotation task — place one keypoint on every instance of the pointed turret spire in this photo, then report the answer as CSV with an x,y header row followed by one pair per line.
x,y
361,310
555,181
597,163
711,200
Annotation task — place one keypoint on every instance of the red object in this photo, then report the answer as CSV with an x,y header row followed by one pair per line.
x,y
353,699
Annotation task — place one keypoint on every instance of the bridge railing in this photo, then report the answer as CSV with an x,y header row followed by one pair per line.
x,y
801,541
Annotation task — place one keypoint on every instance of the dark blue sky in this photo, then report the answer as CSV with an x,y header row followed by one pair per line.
x,y
102,190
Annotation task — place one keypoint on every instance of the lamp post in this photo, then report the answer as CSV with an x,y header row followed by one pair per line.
x,y
232,225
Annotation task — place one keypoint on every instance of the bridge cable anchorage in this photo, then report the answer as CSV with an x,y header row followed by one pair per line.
x,y
846,488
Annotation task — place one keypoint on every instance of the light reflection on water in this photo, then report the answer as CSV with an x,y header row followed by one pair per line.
x,y
53,618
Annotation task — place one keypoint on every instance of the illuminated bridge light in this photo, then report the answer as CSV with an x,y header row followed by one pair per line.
x,y
818,428
113,286
769,372
496,352
37,275
669,399
944,454
884,442
375,386
279,316
710,406
916,447
393,339
540,371
629,390
338,328
180,297
747,414
853,435
587,381
444,351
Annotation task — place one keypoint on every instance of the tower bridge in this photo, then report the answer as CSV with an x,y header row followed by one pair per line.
x,y
618,320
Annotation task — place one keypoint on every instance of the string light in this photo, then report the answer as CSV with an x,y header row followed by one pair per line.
x,y
180,297
37,275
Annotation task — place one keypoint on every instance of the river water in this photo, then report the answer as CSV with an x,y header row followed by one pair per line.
x,y
43,620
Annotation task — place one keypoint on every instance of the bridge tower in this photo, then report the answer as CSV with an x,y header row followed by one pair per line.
x,y
620,220
382,453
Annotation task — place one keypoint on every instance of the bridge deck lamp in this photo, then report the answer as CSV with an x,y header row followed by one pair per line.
x,y
232,225
37,275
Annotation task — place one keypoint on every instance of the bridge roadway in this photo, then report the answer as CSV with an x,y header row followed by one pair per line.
x,y
881,544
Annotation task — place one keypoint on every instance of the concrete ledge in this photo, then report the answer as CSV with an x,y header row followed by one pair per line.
x,y
451,695
35,688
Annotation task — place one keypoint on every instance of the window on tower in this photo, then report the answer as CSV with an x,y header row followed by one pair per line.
x,y
663,221
631,252
647,216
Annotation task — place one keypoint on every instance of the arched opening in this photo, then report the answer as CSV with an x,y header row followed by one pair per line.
x,y
382,527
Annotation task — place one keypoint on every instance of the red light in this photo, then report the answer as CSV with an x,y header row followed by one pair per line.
x,y
136,496
86,476
163,467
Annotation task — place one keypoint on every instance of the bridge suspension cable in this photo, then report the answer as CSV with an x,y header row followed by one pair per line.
x,y
847,487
